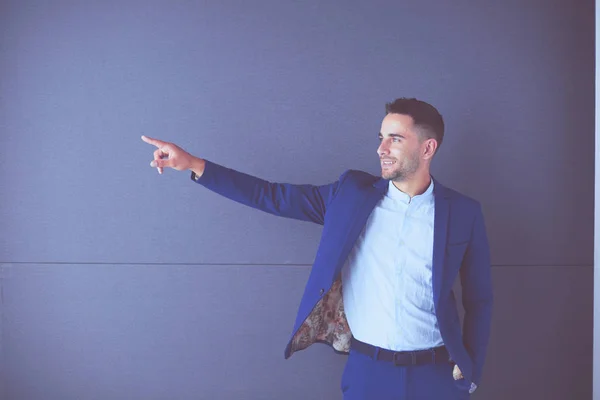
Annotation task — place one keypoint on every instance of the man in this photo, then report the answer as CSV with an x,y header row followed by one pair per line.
x,y
391,249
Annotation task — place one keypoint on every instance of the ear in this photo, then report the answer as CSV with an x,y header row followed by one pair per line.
x,y
429,148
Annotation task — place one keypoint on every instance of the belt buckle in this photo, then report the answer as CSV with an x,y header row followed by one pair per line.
x,y
413,358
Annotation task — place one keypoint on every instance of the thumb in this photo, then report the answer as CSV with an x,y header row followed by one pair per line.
x,y
161,163
456,373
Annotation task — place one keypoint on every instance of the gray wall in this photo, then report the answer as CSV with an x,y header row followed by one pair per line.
x,y
118,283
596,343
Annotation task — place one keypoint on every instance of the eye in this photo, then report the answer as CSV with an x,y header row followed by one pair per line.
x,y
396,139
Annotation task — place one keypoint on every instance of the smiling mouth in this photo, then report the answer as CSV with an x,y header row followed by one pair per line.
x,y
386,163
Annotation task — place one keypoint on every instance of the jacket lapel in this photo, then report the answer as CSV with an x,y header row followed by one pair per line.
x,y
440,230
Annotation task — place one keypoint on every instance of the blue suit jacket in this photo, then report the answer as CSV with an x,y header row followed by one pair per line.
x,y
460,246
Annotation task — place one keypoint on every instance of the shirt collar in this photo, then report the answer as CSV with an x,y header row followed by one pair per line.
x,y
396,194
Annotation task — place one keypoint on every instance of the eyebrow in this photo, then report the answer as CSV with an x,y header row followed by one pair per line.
x,y
392,135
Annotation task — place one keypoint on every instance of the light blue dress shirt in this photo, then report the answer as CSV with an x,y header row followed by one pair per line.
x,y
387,278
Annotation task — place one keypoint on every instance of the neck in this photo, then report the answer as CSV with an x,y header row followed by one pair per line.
x,y
414,185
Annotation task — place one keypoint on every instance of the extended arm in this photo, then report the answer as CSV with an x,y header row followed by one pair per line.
x,y
303,202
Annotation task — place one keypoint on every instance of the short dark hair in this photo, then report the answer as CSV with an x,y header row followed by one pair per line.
x,y
425,116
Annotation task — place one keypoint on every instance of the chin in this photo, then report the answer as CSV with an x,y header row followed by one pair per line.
x,y
387,175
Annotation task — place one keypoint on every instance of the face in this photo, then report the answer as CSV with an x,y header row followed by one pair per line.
x,y
401,152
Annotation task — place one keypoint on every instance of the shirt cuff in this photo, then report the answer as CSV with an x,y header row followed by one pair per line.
x,y
194,177
473,388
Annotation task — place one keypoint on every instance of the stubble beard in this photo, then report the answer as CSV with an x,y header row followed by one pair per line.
x,y
404,171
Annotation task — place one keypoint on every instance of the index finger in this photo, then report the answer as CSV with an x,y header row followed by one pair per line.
x,y
155,142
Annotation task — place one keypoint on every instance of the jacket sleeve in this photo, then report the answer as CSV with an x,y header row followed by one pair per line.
x,y
477,295
302,202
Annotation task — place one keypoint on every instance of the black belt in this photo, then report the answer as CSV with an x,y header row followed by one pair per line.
x,y
438,355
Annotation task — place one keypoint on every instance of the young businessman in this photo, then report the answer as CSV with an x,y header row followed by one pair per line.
x,y
391,249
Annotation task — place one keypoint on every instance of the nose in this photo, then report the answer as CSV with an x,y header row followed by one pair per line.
x,y
383,149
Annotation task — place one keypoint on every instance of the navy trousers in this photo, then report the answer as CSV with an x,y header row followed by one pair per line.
x,y
365,378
